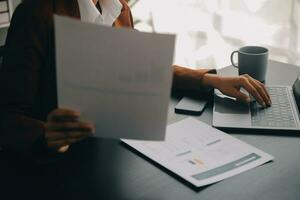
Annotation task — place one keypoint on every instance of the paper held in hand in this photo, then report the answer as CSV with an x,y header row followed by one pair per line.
x,y
119,79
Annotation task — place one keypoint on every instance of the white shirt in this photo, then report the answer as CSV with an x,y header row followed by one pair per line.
x,y
111,10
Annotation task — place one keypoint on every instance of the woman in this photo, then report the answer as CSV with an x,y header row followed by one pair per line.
x,y
29,119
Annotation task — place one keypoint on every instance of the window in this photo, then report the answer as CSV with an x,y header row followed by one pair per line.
x,y
209,30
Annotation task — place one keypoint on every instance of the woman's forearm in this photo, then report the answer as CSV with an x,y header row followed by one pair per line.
x,y
211,80
191,79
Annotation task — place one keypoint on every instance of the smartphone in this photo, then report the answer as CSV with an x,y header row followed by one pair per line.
x,y
191,106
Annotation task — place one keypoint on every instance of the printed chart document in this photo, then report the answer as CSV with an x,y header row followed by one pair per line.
x,y
200,154
119,79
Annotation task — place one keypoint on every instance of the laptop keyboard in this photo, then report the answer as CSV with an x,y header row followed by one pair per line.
x,y
278,115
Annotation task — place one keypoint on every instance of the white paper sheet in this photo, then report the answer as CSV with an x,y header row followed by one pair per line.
x,y
119,79
200,153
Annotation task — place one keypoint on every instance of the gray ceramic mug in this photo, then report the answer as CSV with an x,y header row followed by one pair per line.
x,y
252,60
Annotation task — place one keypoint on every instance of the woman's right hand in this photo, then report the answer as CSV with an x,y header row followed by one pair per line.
x,y
64,128
231,86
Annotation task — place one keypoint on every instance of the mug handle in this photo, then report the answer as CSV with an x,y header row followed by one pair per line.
x,y
232,61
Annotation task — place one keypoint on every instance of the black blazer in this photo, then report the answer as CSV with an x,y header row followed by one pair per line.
x,y
27,76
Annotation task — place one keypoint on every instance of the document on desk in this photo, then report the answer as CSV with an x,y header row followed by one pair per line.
x,y
201,154
119,79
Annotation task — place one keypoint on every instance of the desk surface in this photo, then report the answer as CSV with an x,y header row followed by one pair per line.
x,y
108,169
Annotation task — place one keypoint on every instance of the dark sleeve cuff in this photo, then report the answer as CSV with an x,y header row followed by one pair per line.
x,y
22,134
209,89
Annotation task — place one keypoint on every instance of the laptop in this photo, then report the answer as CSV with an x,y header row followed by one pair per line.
x,y
282,115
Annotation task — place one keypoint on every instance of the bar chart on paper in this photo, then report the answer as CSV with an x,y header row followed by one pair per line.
x,y
201,154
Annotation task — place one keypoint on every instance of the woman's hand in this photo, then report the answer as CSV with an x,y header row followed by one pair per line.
x,y
64,128
231,86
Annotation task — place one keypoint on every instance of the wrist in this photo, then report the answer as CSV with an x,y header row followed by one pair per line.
x,y
211,80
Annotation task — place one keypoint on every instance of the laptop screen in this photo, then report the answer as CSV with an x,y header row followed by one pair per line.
x,y
296,91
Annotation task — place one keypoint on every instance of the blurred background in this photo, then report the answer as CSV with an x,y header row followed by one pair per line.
x,y
209,30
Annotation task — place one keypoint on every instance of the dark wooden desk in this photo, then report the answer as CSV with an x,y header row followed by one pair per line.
x,y
108,169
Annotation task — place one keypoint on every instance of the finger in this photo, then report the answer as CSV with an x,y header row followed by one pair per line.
x,y
262,92
266,92
53,136
63,114
63,149
264,87
240,96
245,83
61,143
70,126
